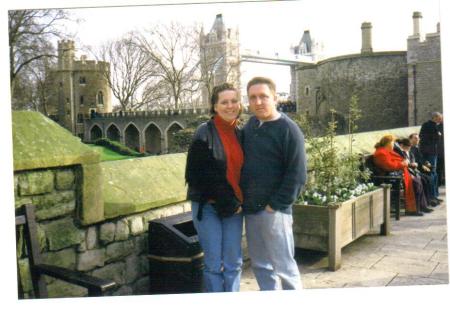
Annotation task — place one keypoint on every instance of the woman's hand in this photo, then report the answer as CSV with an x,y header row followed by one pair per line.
x,y
239,210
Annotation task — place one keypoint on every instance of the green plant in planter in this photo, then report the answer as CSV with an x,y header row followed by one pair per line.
x,y
335,176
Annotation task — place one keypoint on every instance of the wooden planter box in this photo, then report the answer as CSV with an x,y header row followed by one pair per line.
x,y
330,228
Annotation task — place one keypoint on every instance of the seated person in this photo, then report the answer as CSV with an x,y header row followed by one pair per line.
x,y
424,166
386,159
422,192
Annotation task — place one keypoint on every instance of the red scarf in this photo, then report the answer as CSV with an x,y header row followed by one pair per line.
x,y
233,152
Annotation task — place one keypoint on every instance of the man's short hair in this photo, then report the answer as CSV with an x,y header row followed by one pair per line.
x,y
263,80
412,135
435,114
404,142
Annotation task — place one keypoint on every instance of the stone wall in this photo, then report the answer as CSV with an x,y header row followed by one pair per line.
x,y
424,78
115,249
378,79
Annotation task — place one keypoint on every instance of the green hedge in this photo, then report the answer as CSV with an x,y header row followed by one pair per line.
x,y
119,148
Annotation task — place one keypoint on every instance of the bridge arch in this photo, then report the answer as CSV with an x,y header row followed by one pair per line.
x,y
153,138
113,132
170,130
132,136
95,132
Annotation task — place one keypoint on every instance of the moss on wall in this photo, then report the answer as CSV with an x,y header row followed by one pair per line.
x,y
135,185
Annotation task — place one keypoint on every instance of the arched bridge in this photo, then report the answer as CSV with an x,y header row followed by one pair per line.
x,y
148,131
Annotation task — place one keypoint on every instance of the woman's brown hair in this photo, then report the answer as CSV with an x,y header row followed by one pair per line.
x,y
215,96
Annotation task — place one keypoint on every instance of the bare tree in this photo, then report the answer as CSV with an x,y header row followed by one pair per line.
x,y
30,32
211,64
132,77
174,50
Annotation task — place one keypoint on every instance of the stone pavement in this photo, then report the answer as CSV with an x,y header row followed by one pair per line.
x,y
415,253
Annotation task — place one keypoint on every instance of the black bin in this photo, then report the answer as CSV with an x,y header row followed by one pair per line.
x,y
175,256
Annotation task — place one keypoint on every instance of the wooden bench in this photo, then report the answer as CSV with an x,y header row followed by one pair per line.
x,y
26,218
377,177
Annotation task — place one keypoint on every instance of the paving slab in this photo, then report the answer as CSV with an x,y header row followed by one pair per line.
x,y
407,251
440,257
437,245
440,272
402,280
405,266
357,277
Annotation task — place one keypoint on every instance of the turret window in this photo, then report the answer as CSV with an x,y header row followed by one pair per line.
x,y
100,98
81,100
82,80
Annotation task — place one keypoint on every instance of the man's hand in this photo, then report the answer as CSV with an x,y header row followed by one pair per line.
x,y
269,209
239,210
425,168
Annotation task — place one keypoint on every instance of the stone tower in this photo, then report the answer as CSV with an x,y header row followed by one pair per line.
x,y
424,73
219,57
308,47
366,38
78,88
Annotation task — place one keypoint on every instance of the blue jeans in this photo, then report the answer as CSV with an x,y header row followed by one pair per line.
x,y
221,243
271,248
434,178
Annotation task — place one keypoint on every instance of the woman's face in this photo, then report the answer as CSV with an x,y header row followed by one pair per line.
x,y
390,145
228,105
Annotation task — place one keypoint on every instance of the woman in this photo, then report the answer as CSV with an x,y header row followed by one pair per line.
x,y
213,170
388,160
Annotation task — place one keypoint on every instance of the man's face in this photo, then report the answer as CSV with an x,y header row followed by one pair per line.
x,y
262,102
437,119
414,140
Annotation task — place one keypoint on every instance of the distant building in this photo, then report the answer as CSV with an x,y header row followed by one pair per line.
x,y
308,47
395,88
219,57
79,88
424,73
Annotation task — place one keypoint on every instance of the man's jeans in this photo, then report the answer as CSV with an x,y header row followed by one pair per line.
x,y
221,243
271,248
434,178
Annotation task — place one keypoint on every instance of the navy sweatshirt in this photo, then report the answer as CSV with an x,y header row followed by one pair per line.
x,y
274,168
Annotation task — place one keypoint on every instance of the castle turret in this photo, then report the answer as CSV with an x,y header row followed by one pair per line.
x,y
417,16
366,33
66,54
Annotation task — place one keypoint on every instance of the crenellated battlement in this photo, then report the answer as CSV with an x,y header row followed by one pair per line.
x,y
152,114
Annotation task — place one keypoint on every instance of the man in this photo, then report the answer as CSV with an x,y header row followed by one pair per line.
x,y
424,167
273,174
422,194
440,166
429,136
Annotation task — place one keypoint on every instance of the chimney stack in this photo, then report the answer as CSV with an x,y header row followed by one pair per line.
x,y
416,23
366,31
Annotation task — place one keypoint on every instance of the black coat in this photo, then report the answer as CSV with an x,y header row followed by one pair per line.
x,y
206,170
429,138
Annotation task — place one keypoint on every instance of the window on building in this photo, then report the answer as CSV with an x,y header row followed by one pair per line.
x,y
81,100
100,98
82,80
307,91
80,118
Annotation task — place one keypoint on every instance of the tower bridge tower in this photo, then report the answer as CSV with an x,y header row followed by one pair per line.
x,y
219,57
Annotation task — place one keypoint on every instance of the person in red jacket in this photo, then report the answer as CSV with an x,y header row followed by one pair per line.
x,y
388,160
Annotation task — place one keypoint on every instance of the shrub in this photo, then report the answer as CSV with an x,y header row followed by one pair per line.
x,y
117,147
334,176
